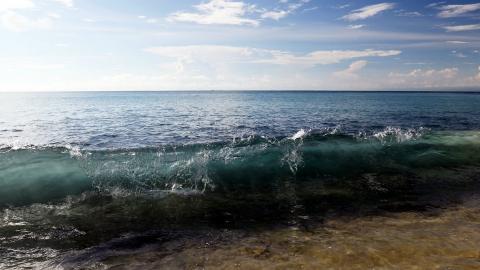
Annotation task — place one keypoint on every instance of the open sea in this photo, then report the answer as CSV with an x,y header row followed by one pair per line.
x,y
240,180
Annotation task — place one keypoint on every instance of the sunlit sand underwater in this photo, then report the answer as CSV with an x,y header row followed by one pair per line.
x,y
436,239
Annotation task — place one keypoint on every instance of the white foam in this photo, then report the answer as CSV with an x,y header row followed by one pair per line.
x,y
299,135
398,134
74,151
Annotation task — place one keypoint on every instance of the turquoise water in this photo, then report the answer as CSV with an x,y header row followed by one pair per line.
x,y
80,169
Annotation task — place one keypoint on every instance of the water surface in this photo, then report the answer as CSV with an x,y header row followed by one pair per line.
x,y
239,180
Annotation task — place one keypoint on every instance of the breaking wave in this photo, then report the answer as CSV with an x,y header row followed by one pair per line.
x,y
245,163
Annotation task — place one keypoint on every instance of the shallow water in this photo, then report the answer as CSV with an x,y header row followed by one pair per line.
x,y
239,180
430,240
435,238
446,240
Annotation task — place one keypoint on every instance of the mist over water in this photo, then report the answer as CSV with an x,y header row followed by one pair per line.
x,y
87,177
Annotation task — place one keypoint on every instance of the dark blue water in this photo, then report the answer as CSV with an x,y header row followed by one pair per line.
x,y
141,119
80,169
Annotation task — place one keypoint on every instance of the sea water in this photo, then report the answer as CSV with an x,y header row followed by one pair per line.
x,y
117,179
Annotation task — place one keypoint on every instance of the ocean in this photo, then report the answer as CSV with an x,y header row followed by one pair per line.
x,y
239,180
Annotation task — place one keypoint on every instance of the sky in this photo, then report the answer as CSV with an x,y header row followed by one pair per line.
x,y
115,45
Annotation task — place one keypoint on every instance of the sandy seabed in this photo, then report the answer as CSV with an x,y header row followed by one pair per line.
x,y
434,239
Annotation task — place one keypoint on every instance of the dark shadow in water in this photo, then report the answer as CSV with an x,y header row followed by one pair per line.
x,y
169,225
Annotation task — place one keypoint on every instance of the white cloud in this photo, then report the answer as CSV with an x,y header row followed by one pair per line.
x,y
403,13
460,28
356,26
231,54
368,11
342,6
15,22
459,54
67,3
12,20
275,15
352,70
207,53
435,4
230,12
456,42
218,12
475,79
425,78
324,57
310,9
147,20
6,5
450,11
229,67
281,13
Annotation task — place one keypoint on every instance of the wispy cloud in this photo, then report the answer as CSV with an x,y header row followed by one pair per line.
x,y
147,19
341,6
281,13
425,77
450,11
6,5
446,73
458,54
229,12
456,42
327,57
310,9
356,26
352,71
403,13
368,11
461,28
12,17
275,14
15,22
67,3
231,54
218,12
436,4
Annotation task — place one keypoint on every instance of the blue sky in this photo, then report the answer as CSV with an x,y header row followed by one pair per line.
x,y
74,45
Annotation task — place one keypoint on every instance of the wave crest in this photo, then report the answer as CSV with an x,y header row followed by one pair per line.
x,y
251,162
